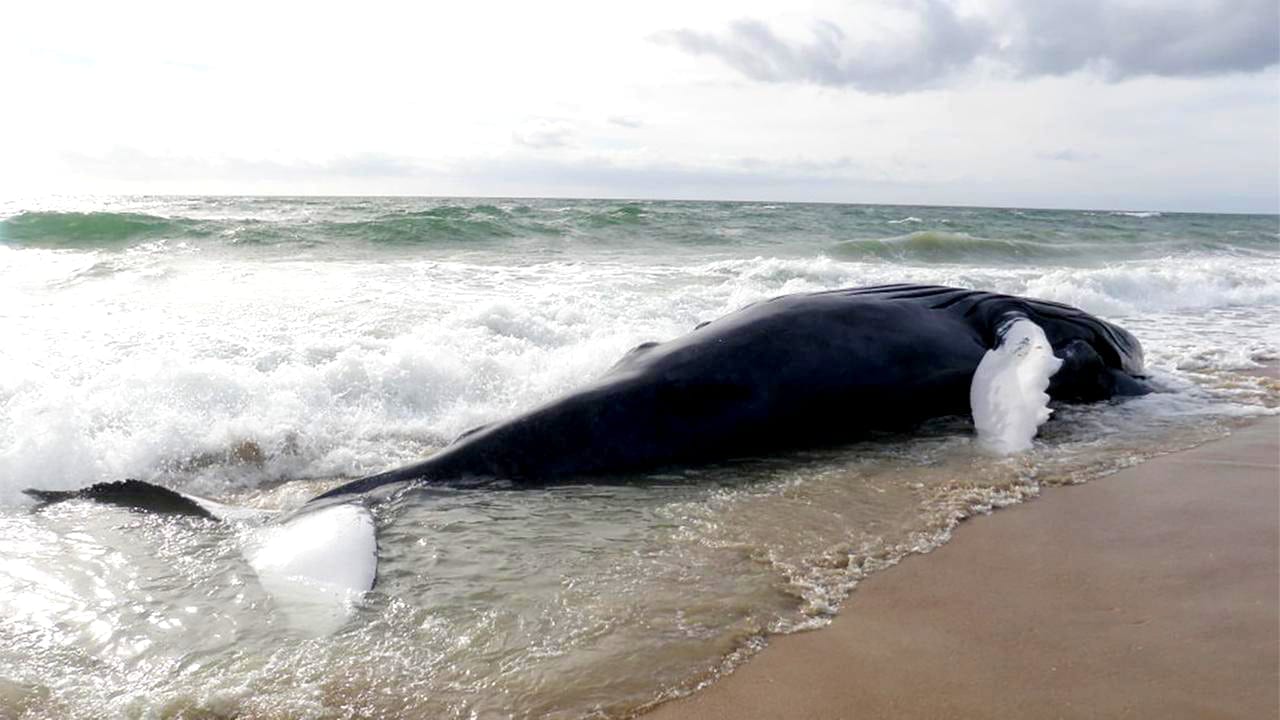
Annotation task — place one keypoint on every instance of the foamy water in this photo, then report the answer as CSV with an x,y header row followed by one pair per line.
x,y
260,350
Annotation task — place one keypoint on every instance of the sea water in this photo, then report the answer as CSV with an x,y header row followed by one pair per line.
x,y
260,350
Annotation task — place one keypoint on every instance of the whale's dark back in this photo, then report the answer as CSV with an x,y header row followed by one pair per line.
x,y
1062,323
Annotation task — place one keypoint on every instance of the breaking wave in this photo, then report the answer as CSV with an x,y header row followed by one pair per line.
x,y
940,246
90,230
93,229
451,223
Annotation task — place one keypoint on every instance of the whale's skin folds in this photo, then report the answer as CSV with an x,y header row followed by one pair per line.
x,y
794,371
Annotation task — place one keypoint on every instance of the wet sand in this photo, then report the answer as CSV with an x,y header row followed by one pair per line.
x,y
1149,593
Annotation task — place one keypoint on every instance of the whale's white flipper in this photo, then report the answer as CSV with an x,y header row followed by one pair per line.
x,y
317,564
1007,396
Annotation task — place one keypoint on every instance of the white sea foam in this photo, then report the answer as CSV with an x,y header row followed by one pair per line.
x,y
1187,284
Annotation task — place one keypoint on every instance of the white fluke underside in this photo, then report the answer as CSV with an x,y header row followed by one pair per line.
x,y
1007,396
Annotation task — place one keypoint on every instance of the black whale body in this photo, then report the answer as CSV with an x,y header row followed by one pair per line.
x,y
795,371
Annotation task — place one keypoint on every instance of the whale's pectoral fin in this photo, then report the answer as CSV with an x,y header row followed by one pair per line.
x,y
1008,394
317,563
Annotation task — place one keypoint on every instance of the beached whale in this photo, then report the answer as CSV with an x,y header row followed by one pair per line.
x,y
795,371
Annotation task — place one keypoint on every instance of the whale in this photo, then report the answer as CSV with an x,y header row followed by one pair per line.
x,y
792,372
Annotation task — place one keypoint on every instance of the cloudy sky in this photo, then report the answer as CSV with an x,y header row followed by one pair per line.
x,y
1163,104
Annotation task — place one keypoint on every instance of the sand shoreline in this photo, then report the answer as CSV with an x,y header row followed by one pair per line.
x,y
1153,592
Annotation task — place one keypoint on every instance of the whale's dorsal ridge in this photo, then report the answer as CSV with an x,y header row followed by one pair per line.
x,y
636,353
469,432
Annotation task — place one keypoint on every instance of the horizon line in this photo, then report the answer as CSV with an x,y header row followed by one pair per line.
x,y
642,199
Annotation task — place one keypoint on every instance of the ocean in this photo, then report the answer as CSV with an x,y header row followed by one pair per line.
x,y
261,350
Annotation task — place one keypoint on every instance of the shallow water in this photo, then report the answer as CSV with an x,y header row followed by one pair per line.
x,y
259,350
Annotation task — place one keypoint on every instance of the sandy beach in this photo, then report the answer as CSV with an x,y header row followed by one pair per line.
x,y
1148,593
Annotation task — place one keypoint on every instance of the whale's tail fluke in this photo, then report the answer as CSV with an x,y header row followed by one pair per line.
x,y
315,562
134,494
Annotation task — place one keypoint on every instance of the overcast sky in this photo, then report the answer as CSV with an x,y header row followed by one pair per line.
x,y
1160,104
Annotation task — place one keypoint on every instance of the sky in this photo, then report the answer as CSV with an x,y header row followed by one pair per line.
x,y
1116,104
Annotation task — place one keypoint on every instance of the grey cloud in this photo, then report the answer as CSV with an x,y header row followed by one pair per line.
x,y
1118,39
943,42
1126,39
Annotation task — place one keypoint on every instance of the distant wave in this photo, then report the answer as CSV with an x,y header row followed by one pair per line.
x,y
628,214
448,223
451,223
940,246
108,229
92,229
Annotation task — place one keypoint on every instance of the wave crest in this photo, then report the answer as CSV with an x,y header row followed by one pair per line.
x,y
942,246
92,229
